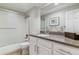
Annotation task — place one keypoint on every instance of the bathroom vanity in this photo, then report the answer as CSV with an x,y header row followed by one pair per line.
x,y
66,21
44,44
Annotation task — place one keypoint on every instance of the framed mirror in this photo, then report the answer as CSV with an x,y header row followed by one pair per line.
x,y
54,21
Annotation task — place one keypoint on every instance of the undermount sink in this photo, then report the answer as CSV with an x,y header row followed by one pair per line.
x,y
43,35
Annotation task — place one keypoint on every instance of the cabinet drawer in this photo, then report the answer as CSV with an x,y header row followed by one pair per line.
x,y
65,49
45,43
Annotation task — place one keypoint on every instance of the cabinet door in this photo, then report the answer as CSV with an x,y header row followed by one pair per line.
x,y
61,49
33,46
32,50
41,50
33,40
45,43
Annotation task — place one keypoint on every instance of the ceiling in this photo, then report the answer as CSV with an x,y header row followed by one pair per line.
x,y
52,7
25,7
20,7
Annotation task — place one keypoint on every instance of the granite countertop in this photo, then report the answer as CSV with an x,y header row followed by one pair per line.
x,y
58,38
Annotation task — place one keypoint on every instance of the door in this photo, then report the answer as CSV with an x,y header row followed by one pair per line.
x,y
32,50
33,46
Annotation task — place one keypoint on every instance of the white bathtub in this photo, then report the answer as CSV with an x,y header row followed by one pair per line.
x,y
14,49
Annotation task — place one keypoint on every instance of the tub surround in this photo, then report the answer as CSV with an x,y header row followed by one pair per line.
x,y
59,39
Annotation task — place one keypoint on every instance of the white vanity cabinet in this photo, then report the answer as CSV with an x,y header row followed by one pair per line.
x,y
33,46
41,50
44,47
40,46
61,49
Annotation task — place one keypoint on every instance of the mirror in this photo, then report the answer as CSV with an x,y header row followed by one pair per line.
x,y
64,21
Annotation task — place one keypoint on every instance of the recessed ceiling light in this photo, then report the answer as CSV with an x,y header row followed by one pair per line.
x,y
56,3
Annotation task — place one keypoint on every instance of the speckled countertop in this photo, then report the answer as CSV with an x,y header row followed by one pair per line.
x,y
58,38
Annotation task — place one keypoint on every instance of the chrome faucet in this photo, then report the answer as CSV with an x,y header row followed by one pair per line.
x,y
27,38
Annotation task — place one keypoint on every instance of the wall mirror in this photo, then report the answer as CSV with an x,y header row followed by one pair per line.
x,y
54,21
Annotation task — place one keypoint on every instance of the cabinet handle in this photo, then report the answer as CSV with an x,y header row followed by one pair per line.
x,y
60,52
37,50
64,51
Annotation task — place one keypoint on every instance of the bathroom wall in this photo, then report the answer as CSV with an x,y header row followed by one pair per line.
x,y
54,28
34,20
69,20
12,27
72,21
42,24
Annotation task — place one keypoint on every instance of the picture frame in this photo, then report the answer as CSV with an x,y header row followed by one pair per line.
x,y
54,21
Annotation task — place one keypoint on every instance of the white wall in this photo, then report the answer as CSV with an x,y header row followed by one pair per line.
x,y
72,21
34,20
42,24
27,25
61,16
12,28
69,17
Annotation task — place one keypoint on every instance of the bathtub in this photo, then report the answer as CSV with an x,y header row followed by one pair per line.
x,y
15,49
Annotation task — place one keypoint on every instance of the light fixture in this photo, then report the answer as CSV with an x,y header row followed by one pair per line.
x,y
56,4
47,4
